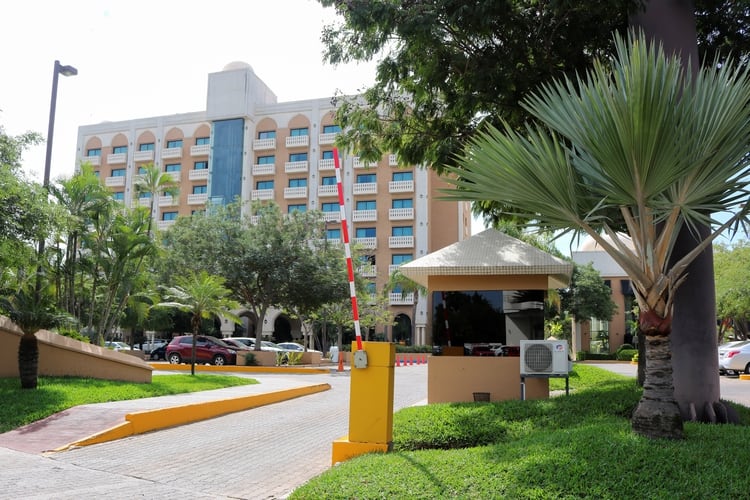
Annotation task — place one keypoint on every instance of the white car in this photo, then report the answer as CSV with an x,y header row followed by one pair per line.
x,y
118,346
250,342
294,346
735,358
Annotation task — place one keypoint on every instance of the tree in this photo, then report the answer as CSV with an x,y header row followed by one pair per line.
x,y
203,296
634,142
733,287
588,296
153,182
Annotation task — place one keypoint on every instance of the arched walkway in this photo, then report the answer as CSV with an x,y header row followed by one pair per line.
x,y
402,330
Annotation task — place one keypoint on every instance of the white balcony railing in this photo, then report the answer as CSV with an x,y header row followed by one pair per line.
x,y
332,216
262,194
328,190
392,268
367,243
401,299
357,163
392,160
198,175
117,181
400,241
144,201
401,187
263,144
95,161
364,215
171,153
327,164
197,199
200,150
298,141
366,188
254,219
118,158
367,271
295,192
167,201
264,169
164,224
328,138
401,214
296,167
147,155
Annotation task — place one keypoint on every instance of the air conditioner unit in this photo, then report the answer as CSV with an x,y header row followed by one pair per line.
x,y
544,357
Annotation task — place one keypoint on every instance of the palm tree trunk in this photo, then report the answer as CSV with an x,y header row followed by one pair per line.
x,y
28,361
657,414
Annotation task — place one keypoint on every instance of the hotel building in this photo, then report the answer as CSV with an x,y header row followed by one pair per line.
x,y
247,145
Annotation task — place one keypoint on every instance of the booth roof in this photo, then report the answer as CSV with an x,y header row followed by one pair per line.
x,y
489,253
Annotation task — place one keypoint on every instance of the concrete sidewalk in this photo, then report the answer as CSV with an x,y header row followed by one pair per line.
x,y
97,423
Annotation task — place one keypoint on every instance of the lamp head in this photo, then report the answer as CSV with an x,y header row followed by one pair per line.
x,y
65,70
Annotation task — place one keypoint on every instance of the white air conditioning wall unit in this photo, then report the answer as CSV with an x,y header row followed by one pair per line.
x,y
544,357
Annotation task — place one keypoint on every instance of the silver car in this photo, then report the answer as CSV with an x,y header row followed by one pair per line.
x,y
734,357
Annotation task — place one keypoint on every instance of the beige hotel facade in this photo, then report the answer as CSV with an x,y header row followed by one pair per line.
x,y
246,144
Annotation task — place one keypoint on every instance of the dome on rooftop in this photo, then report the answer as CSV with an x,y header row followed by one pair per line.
x,y
237,65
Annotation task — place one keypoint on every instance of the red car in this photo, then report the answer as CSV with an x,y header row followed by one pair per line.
x,y
207,350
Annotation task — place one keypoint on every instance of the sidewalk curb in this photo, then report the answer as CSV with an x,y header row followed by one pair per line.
x,y
151,420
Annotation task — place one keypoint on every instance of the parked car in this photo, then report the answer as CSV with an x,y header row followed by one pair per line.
x,y
151,345
236,344
118,346
159,353
294,346
736,359
723,348
207,350
265,345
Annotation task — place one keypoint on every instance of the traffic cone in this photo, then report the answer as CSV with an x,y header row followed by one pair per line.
x,y
417,361
425,359
341,362
397,361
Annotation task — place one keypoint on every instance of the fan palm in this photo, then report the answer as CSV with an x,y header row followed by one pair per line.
x,y
639,148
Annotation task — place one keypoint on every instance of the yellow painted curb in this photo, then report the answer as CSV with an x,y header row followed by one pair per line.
x,y
151,420
744,376
244,369
343,449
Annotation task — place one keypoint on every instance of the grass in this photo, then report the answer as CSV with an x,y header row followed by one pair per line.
x,y
577,446
55,394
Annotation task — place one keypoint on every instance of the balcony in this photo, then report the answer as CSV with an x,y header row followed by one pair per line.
x,y
296,167
368,271
147,155
200,150
169,153
392,268
328,138
117,159
361,164
144,201
117,181
164,224
401,214
167,201
327,164
94,161
298,141
262,194
328,190
367,243
254,219
295,192
401,187
332,216
364,215
263,144
401,242
197,199
198,175
366,188
392,161
264,169
401,299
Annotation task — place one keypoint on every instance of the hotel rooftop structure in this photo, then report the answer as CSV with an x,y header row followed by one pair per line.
x,y
247,145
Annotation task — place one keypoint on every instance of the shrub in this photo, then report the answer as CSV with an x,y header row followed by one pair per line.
x,y
626,354
294,357
625,346
73,334
250,359
600,356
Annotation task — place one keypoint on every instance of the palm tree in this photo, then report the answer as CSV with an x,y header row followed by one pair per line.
x,y
203,296
31,311
641,147
154,182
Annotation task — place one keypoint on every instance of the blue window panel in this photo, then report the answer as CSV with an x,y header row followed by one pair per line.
x,y
119,150
119,196
267,134
118,172
371,288
366,178
297,208
365,232
264,185
94,152
202,141
329,180
333,234
200,189
404,203
141,170
402,231
177,143
173,167
403,176
168,215
330,207
146,146
298,157
327,155
297,183
145,195
295,132
200,165
265,160
401,258
226,168
331,129
366,205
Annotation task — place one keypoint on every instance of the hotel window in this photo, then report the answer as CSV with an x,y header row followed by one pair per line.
x,y
264,185
119,195
94,152
172,167
141,170
401,258
145,195
266,160
298,132
298,157
168,215
330,207
297,183
333,234
371,288
119,150
402,231
403,176
201,141
331,129
297,208
329,180
366,178
404,203
200,189
177,143
118,172
366,205
197,212
200,165
365,232
327,155
267,134
146,146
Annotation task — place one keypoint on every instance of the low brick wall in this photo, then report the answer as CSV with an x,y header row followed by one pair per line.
x,y
63,356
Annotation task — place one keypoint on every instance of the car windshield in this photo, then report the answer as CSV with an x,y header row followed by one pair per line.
x,y
266,343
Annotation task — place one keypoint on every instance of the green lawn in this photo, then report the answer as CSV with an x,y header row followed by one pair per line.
x,y
20,407
577,446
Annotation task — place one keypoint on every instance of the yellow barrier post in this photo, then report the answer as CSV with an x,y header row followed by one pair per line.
x,y
370,404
